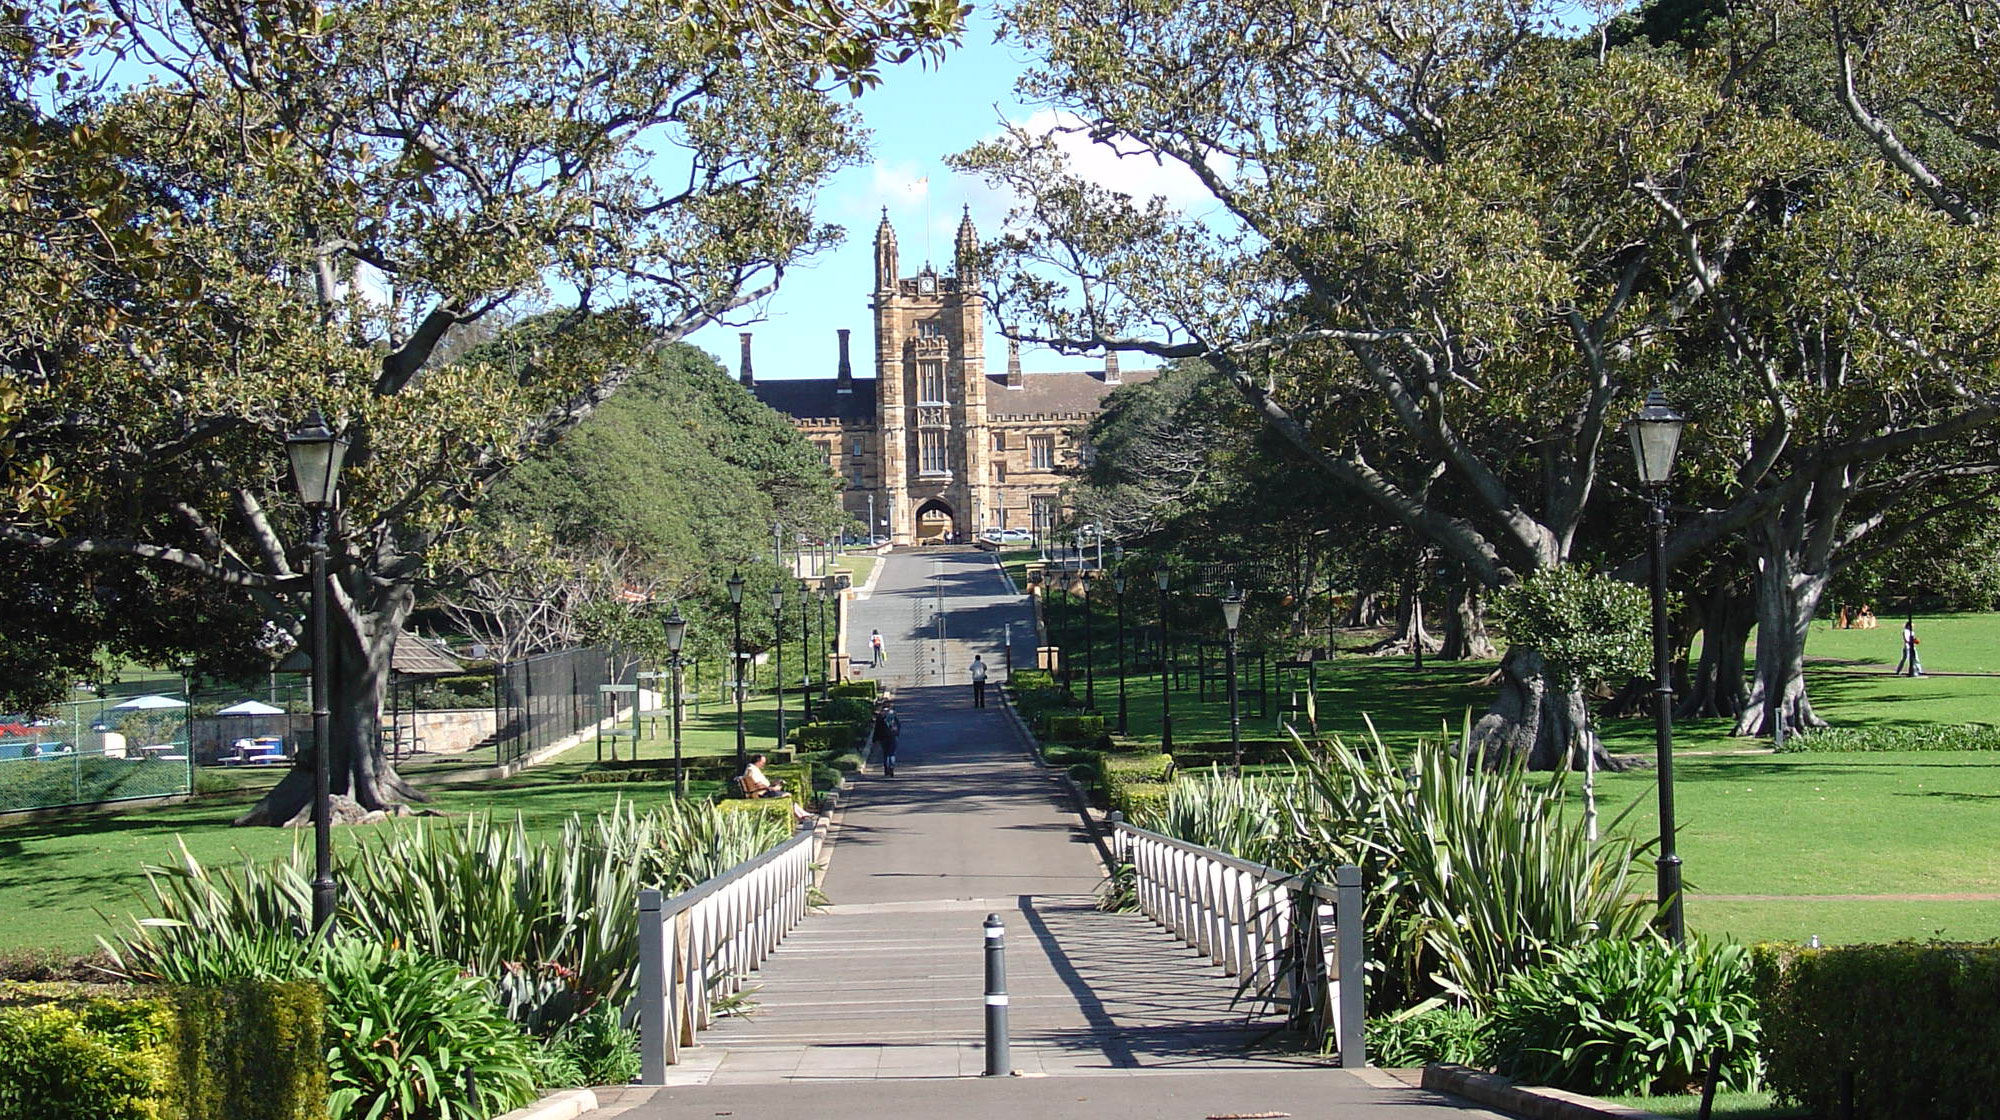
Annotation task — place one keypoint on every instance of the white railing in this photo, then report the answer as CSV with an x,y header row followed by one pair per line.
x,y
700,944
1286,937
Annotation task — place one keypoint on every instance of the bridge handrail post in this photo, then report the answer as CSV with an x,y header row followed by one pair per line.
x,y
720,930
1348,933
656,1035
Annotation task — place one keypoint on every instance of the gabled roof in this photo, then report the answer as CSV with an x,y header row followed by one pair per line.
x,y
1054,394
421,657
820,398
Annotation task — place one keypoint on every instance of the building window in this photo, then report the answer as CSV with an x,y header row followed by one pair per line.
x,y
1042,452
931,452
999,441
930,328
930,382
1000,472
826,451
854,448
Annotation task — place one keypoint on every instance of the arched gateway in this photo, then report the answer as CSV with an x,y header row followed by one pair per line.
x,y
935,522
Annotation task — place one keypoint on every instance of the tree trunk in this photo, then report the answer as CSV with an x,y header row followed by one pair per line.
x,y
1366,610
1716,688
1465,636
1535,718
363,641
1787,597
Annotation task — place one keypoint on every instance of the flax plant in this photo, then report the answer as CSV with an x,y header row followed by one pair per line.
x,y
550,924
1472,874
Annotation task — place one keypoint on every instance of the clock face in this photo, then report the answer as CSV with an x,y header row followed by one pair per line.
x,y
927,284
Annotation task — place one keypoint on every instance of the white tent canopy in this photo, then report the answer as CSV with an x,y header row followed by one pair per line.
x,y
148,703
250,708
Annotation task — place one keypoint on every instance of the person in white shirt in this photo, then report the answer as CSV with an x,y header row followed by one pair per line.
x,y
756,785
978,682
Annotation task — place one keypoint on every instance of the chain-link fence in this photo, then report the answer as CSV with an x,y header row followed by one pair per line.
x,y
95,751
541,699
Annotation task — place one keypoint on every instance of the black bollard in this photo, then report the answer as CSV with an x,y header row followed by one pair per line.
x,y
998,1058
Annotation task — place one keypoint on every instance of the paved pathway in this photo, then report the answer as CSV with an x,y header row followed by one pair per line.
x,y
885,985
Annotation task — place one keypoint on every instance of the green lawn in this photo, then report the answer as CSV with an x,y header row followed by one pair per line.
x,y
1881,826
66,882
1733,1106
858,565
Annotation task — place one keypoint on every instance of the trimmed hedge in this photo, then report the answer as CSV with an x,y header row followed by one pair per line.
x,y
1141,802
1926,737
835,738
1202,755
846,709
777,808
253,1050
1029,679
860,690
1068,728
1917,1027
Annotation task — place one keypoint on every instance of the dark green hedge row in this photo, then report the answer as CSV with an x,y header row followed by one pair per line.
x,y
861,690
1201,755
1925,737
833,738
1914,1028
1072,727
252,1050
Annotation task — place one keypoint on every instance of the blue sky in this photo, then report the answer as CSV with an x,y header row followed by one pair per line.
x,y
918,117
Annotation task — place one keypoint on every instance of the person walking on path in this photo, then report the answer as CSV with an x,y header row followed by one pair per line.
x,y
1910,657
875,648
978,682
886,728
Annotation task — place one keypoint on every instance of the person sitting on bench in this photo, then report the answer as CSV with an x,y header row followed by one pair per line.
x,y
755,785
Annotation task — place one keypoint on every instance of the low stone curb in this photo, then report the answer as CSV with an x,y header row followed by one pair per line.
x,y
563,1104
1533,1102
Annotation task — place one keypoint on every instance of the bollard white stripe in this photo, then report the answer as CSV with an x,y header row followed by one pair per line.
x,y
996,1001
995,931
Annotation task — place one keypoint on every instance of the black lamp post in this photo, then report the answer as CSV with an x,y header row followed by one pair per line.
x,y
1089,647
1656,437
676,628
806,648
1166,685
735,585
1118,594
825,662
829,638
1232,616
778,643
317,455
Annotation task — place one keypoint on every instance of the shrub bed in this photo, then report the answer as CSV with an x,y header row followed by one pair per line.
x,y
1613,1016
1931,737
1454,1035
834,738
249,1050
860,690
1066,727
1916,1027
1201,755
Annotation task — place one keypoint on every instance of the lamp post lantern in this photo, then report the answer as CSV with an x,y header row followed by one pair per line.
x,y
735,585
317,455
676,628
1161,577
1656,435
1232,616
778,644
1118,595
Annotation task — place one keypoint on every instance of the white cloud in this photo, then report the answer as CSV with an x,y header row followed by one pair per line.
x,y
897,185
1118,165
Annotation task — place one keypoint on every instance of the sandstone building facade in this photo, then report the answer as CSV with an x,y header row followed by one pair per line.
x,y
933,446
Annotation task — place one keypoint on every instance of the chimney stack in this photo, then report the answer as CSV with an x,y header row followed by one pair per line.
x,y
1111,367
1014,362
744,373
844,380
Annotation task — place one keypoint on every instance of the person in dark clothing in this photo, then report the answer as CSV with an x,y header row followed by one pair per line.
x,y
886,728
